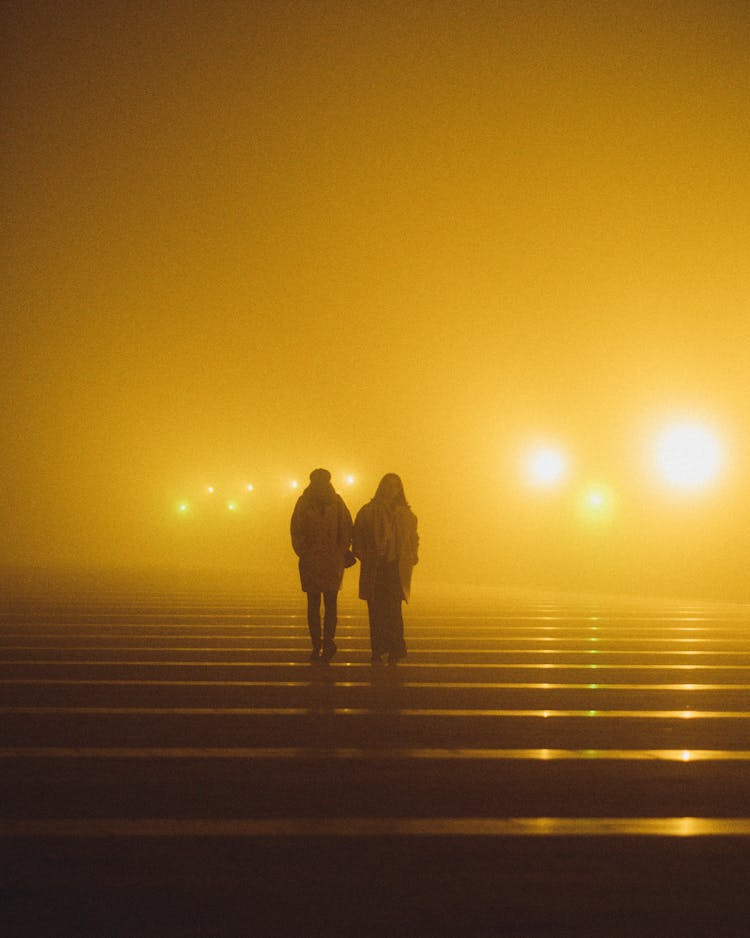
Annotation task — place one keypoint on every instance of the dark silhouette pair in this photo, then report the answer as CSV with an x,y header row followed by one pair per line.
x,y
383,538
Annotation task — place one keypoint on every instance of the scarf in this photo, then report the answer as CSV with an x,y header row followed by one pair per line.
x,y
384,529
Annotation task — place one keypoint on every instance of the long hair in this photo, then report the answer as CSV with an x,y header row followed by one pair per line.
x,y
400,495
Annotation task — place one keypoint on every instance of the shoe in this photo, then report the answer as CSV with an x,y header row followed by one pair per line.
x,y
393,660
376,661
315,655
329,652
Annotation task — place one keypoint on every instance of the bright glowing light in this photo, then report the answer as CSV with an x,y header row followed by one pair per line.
x,y
294,484
545,466
596,502
210,490
595,499
183,507
688,455
250,488
349,480
232,506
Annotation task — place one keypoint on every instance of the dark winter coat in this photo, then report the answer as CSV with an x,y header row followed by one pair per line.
x,y
406,547
321,530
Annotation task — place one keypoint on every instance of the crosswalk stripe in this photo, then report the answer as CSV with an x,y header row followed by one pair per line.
x,y
377,755
686,713
354,642
377,827
433,685
106,633
341,664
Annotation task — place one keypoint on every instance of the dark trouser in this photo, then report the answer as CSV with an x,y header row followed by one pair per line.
x,y
384,609
330,603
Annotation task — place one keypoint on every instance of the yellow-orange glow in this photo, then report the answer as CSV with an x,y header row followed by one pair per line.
x,y
596,502
688,456
545,466
493,247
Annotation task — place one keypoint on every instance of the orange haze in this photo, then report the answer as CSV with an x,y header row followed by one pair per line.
x,y
245,240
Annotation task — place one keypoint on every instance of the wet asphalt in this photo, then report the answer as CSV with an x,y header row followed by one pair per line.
x,y
559,768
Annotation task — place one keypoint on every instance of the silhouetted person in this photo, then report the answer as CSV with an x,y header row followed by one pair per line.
x,y
386,542
321,531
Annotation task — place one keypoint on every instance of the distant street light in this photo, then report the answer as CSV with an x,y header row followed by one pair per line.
x,y
545,466
688,456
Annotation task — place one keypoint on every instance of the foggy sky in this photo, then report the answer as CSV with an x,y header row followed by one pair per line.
x,y
245,240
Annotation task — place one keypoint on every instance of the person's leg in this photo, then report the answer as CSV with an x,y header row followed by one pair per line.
x,y
397,648
313,621
330,601
393,620
377,609
377,643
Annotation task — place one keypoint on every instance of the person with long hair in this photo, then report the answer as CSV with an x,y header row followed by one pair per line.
x,y
321,529
386,542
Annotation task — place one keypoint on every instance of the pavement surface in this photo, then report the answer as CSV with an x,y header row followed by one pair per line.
x,y
179,768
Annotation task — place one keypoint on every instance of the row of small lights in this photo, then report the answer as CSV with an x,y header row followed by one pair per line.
x,y
293,485
688,457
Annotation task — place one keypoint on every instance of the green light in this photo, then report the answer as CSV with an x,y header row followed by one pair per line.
x,y
596,502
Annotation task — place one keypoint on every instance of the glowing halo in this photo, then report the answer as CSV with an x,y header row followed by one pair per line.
x,y
596,502
688,456
545,466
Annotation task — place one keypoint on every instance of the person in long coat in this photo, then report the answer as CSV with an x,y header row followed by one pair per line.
x,y
321,529
386,542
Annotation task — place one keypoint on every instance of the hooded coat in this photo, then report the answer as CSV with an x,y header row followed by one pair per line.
x,y
365,546
321,530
